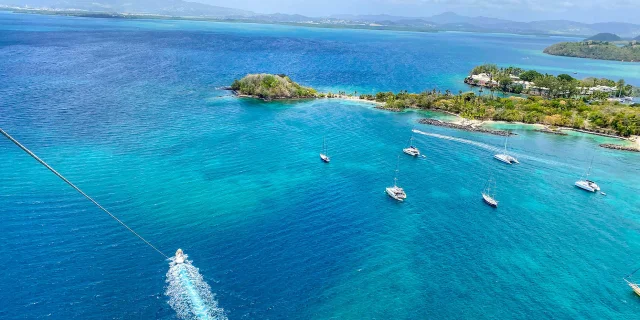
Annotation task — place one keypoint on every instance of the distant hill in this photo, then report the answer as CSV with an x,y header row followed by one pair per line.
x,y
448,21
637,38
601,51
604,37
159,7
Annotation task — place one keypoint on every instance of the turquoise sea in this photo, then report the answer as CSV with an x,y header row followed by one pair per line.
x,y
131,111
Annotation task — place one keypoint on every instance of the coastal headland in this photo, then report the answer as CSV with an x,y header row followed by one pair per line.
x,y
597,116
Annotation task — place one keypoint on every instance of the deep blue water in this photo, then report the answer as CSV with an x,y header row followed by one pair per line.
x,y
130,111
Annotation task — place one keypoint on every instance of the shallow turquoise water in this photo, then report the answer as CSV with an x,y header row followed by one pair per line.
x,y
129,111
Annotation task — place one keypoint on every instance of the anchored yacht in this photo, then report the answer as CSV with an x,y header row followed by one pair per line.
x,y
505,157
323,155
633,286
411,150
586,184
488,195
395,191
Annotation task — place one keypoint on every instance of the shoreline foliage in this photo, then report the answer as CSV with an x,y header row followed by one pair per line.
x,y
270,87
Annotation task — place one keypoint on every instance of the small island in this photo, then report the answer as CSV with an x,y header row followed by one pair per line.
x,y
561,108
271,87
604,46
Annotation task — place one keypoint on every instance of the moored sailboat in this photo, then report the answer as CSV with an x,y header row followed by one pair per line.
x,y
411,149
488,195
323,155
505,157
586,184
396,192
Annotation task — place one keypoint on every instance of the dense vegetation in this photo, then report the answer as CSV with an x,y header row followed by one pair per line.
x,y
269,87
596,50
547,85
601,116
604,37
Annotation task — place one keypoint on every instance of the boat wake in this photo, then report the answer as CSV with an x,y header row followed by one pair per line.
x,y
485,146
189,295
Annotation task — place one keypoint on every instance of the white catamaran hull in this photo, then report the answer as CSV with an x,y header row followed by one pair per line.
x,y
414,152
587,185
506,158
393,194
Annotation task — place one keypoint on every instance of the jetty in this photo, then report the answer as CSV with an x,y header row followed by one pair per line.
x,y
619,147
551,131
471,128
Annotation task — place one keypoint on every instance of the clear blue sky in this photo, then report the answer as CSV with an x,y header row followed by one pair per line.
x,y
520,10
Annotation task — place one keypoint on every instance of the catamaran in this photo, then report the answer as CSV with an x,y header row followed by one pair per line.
x,y
395,191
505,157
586,184
323,154
489,193
411,150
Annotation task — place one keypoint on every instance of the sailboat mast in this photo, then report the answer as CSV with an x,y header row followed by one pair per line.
x,y
395,178
324,147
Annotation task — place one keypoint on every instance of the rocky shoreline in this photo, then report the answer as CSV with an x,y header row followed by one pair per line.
x,y
435,122
546,130
619,147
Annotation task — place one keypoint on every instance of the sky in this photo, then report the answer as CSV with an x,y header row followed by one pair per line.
x,y
520,10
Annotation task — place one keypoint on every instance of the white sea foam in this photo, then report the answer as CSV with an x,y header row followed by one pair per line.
x,y
491,148
189,295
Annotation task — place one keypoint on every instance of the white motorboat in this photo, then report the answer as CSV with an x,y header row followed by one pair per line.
x,y
323,155
395,191
586,184
505,157
180,257
411,150
488,195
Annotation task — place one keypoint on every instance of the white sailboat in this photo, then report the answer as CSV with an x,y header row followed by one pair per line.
x,y
505,157
396,192
586,184
489,193
323,155
411,150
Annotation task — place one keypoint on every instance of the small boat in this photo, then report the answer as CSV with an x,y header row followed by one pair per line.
x,y
411,150
586,184
505,157
323,155
180,257
633,286
488,195
396,192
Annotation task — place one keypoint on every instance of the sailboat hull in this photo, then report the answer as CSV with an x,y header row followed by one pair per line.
x,y
506,158
395,195
490,201
585,185
324,158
